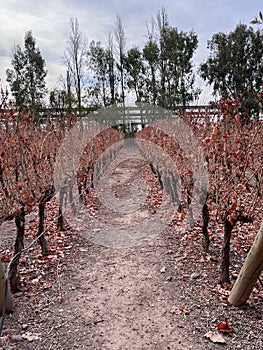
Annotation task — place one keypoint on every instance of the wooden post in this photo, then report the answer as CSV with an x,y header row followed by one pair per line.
x,y
249,273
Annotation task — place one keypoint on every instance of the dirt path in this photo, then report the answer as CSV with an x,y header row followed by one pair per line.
x,y
160,293
124,300
121,294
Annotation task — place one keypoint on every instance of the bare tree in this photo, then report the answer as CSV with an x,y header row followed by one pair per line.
x,y
121,42
162,25
111,68
74,58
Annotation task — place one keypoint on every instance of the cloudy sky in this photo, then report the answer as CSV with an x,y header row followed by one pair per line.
x,y
49,22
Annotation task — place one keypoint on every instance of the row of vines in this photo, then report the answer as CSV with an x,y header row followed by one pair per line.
x,y
28,155
233,149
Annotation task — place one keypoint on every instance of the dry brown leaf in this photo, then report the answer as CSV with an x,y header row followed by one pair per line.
x,y
175,310
30,336
224,327
215,337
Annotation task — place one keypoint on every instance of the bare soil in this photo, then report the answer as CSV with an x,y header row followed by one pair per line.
x,y
160,294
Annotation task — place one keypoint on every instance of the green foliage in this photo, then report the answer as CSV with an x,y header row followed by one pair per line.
x,y
27,78
151,56
134,66
161,73
177,49
101,65
168,54
60,100
235,64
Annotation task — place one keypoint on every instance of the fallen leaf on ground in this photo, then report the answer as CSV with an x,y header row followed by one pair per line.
x,y
46,286
175,310
224,327
30,336
195,275
215,337
170,252
184,277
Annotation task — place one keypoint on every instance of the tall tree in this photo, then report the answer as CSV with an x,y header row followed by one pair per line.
x,y
121,42
235,65
58,99
151,57
112,75
62,95
98,58
162,25
168,55
177,52
27,78
134,66
74,58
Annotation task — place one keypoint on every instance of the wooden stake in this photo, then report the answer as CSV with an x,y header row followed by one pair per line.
x,y
249,273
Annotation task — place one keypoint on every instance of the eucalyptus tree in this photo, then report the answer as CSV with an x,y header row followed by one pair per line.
x,y
135,72
58,99
177,52
151,57
97,63
102,70
234,67
111,70
27,78
168,55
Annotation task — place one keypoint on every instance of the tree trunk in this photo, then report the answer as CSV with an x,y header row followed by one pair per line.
x,y
41,227
60,223
9,306
92,178
225,256
71,200
205,217
190,210
175,196
122,79
15,283
79,90
154,85
112,82
69,92
85,180
80,191
249,273
3,185
111,71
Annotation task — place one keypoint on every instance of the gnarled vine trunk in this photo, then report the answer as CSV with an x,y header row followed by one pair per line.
x,y
9,307
41,227
205,217
225,256
15,283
